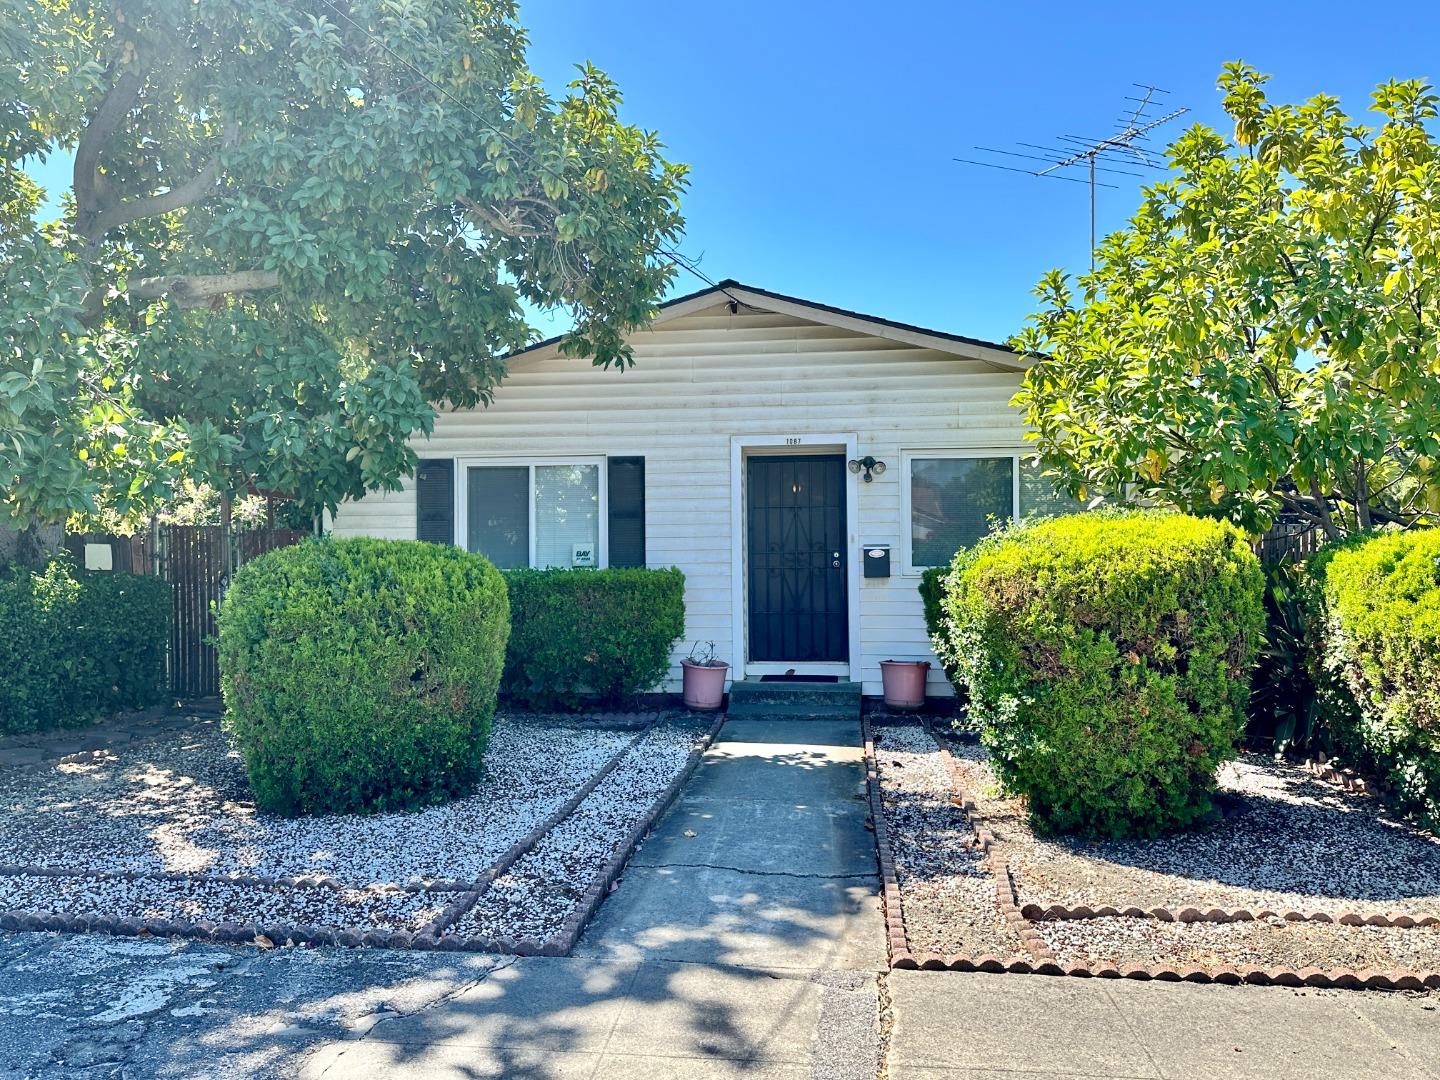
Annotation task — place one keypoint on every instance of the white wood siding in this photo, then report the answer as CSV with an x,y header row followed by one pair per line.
x,y
697,381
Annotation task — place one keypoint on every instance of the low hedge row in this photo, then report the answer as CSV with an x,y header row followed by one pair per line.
x,y
1373,620
585,635
76,646
360,675
1107,658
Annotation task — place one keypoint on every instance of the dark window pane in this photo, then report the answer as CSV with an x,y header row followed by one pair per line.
x,y
499,514
952,502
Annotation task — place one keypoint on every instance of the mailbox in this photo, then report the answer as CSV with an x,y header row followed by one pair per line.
x,y
877,560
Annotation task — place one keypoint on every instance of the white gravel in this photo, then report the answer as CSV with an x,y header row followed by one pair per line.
x,y
1288,842
534,898
375,907
1265,943
947,896
179,802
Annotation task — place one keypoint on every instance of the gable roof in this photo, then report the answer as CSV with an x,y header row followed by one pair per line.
x,y
1000,355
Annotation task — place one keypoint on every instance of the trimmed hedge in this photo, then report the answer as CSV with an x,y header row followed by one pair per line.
x,y
1107,657
360,675
1374,631
75,646
586,635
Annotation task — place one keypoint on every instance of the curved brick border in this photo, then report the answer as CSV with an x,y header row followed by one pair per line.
x,y
1061,912
1046,963
1323,769
897,940
429,936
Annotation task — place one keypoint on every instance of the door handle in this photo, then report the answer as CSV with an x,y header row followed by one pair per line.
x,y
835,558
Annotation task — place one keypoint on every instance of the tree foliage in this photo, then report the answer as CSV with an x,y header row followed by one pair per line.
x,y
293,229
1264,335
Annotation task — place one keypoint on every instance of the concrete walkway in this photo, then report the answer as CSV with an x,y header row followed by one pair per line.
x,y
744,941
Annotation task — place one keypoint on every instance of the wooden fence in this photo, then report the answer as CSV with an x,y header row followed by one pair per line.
x,y
192,559
1288,542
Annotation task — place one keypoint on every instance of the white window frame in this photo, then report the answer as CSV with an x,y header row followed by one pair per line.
x,y
463,465
907,457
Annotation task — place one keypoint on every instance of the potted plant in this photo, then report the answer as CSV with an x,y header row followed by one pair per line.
x,y
904,683
704,677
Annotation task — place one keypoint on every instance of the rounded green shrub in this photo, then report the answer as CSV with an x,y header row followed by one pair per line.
x,y
1374,639
590,635
360,675
1107,659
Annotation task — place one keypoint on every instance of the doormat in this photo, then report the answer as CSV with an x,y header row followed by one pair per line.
x,y
799,678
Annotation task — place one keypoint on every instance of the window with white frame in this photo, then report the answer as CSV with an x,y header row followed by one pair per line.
x,y
954,497
534,513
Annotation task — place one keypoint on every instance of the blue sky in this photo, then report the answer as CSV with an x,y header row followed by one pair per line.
x,y
821,135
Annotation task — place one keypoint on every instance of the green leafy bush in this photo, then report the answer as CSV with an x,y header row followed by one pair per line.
x,y
1107,657
932,596
1283,711
360,675
579,635
75,646
1374,630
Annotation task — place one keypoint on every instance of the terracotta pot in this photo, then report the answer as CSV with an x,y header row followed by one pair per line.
x,y
704,686
904,683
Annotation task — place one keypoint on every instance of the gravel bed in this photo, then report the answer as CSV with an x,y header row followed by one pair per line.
x,y
535,897
1288,842
948,897
193,900
180,802
1264,943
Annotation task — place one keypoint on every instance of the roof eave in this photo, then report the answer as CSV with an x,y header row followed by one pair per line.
x,y
988,352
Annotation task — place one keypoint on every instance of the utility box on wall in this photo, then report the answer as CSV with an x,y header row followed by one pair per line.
x,y
877,560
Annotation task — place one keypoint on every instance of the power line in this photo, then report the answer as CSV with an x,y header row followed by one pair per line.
x,y
683,262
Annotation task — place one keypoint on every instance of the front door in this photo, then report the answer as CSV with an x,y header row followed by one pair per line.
x,y
795,513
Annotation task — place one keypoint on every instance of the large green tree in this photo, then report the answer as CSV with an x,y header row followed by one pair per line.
x,y
294,228
1264,335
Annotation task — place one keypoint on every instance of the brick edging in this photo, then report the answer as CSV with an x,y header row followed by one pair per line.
x,y
1063,912
1315,977
897,944
429,936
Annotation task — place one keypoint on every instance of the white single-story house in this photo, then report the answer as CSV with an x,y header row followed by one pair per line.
x,y
801,464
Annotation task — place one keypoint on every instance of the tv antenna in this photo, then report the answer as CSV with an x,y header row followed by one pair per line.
x,y
1126,147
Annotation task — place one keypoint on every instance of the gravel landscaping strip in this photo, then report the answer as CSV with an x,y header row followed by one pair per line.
x,y
948,896
1288,842
534,899
180,802
216,901
1264,943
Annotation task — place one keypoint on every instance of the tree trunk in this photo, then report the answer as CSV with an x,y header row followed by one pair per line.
x,y
31,546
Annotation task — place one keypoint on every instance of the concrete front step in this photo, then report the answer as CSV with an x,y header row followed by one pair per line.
x,y
751,698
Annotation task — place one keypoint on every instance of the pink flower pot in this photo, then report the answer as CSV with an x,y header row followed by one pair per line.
x,y
704,685
904,683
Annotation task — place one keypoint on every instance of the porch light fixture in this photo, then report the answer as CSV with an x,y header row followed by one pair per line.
x,y
872,467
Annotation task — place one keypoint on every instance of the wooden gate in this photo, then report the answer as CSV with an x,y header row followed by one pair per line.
x,y
192,559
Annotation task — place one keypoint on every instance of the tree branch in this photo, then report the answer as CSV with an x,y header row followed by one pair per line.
x,y
178,197
201,290
117,103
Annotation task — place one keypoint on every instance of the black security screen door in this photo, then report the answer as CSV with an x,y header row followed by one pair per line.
x,y
795,512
